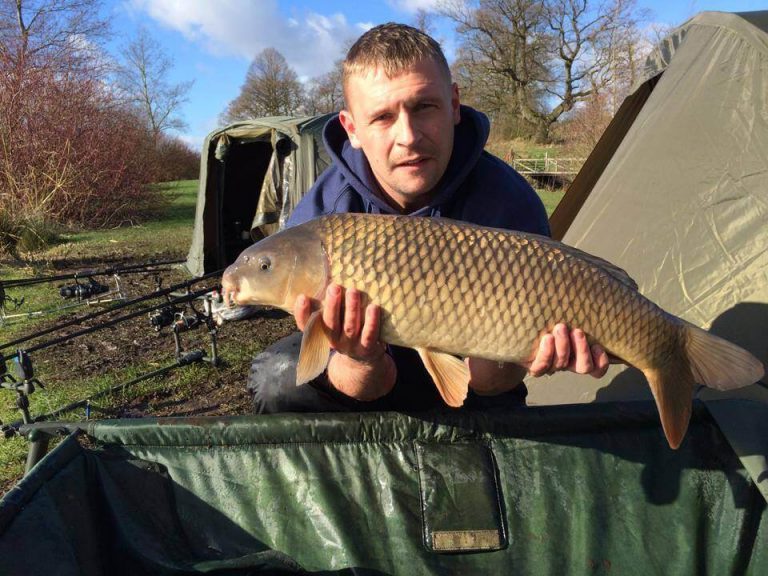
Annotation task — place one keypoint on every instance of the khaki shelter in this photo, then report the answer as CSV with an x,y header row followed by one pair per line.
x,y
676,193
252,174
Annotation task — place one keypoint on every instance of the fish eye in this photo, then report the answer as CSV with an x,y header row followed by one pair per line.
x,y
265,264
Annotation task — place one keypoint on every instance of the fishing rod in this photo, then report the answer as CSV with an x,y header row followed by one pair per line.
x,y
163,292
130,269
22,378
39,431
93,293
192,357
109,323
22,381
90,292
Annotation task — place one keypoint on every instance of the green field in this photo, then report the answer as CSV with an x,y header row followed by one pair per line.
x,y
170,232
165,238
525,149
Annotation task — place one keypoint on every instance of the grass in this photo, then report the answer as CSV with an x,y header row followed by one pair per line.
x,y
167,237
550,197
172,231
37,298
181,382
58,394
504,149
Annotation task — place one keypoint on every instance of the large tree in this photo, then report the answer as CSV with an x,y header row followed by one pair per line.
x,y
544,55
143,80
271,88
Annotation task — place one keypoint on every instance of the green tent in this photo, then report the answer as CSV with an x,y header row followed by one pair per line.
x,y
252,174
577,488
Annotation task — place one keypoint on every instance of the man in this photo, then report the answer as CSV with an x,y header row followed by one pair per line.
x,y
405,145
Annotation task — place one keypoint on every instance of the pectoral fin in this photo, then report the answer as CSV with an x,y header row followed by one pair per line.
x,y
315,348
451,375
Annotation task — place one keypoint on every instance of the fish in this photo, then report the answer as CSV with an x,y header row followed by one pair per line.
x,y
452,289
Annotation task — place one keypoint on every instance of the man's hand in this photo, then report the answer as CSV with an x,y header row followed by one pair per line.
x,y
560,350
568,350
361,368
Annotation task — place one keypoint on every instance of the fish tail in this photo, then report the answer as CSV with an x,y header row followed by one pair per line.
x,y
705,359
672,387
719,364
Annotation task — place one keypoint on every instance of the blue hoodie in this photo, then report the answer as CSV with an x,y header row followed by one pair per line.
x,y
477,187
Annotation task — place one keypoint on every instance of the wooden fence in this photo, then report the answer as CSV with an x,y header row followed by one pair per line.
x,y
547,166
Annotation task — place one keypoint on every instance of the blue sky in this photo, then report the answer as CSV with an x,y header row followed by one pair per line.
x,y
213,41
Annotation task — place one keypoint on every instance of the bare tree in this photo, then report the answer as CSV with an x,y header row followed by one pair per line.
x,y
484,89
271,88
325,93
626,50
143,79
423,21
551,54
33,32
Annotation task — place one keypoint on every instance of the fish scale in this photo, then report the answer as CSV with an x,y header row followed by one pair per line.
x,y
448,288
481,291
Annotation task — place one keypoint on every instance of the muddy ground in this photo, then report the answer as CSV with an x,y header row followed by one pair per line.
x,y
213,391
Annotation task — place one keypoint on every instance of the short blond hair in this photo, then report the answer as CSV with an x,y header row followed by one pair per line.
x,y
394,48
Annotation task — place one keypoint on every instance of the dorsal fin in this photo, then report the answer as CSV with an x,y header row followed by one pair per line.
x,y
615,272
610,268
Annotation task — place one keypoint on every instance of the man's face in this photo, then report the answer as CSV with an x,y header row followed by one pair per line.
x,y
404,125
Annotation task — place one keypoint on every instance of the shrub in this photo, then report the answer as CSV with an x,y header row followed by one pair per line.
x,y
24,233
70,154
176,160
8,232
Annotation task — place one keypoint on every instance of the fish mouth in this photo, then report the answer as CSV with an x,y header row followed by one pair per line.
x,y
230,291
230,298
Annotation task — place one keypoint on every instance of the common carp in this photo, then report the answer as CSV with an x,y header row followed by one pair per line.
x,y
448,288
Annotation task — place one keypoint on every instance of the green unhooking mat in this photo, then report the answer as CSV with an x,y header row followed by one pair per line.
x,y
589,489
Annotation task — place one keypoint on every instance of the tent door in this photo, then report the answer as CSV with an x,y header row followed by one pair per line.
x,y
243,174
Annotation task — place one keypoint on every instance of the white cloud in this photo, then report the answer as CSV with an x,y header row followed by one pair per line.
x,y
412,6
310,42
